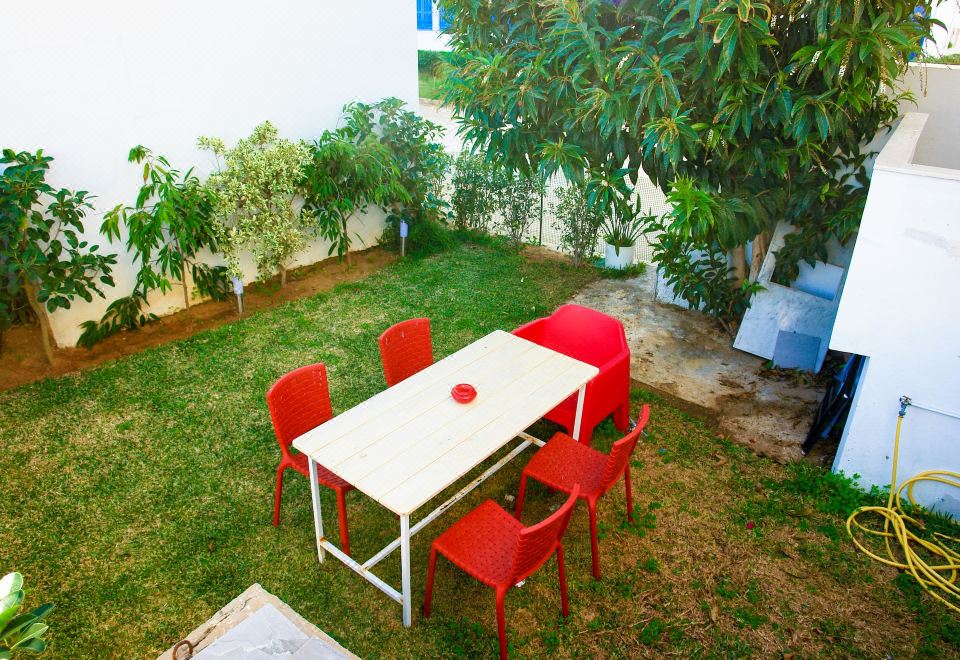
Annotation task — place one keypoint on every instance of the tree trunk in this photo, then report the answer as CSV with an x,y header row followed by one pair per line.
x,y
739,254
346,240
186,292
283,276
184,279
42,318
759,253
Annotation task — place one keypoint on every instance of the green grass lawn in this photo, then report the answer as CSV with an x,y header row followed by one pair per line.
x,y
430,86
137,497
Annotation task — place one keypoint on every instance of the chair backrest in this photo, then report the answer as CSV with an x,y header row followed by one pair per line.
x,y
538,542
579,332
299,401
405,349
621,451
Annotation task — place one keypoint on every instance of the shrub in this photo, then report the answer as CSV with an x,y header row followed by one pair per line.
x,y
432,62
42,257
521,196
475,193
254,188
578,223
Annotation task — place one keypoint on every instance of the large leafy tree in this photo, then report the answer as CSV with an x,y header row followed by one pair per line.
x,y
744,112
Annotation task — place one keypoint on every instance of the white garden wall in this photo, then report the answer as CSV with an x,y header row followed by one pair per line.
x,y
86,81
901,308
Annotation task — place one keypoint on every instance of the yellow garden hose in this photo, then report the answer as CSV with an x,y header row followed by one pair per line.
x,y
931,563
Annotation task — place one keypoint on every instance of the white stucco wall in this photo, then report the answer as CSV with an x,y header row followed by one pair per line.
x,y
432,40
87,81
901,308
937,91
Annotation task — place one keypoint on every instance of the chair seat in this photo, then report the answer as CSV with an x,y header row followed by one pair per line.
x,y
324,476
563,462
483,543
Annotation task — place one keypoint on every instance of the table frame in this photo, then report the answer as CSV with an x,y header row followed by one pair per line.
x,y
403,597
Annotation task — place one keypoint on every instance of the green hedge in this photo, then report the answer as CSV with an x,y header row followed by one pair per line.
x,y
428,61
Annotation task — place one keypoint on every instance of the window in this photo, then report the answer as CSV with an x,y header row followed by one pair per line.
x,y
424,14
446,18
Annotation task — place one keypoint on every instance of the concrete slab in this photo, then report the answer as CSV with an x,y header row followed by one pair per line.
x,y
684,354
257,625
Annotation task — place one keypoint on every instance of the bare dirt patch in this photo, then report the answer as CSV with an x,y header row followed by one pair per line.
x,y
685,354
22,359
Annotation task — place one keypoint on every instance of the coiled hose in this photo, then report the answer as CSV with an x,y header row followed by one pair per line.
x,y
931,563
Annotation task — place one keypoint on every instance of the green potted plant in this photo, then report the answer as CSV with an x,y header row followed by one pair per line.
x,y
620,234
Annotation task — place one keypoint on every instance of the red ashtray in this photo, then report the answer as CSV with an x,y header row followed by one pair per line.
x,y
464,393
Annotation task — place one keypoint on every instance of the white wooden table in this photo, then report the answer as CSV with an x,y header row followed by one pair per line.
x,y
408,443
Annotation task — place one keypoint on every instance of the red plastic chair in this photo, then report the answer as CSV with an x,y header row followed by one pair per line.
x,y
567,465
300,401
597,339
405,349
492,546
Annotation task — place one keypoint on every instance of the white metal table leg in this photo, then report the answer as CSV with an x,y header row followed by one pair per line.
x,y
405,568
578,418
317,517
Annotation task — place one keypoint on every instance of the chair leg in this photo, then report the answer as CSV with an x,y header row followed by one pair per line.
x,y
342,519
502,623
277,494
564,605
626,481
594,541
586,434
522,494
621,417
431,567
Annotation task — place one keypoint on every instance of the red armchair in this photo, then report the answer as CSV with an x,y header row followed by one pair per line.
x,y
597,339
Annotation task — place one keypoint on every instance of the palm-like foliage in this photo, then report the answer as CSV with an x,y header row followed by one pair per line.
x,y
751,104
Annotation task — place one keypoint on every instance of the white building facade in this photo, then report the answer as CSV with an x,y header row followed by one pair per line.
x,y
90,80
901,302
431,22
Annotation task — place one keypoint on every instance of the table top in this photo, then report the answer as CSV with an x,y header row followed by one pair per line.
x,y
408,443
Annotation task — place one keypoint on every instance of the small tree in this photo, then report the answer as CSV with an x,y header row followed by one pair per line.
x,y
41,252
170,223
349,169
419,159
578,223
254,188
